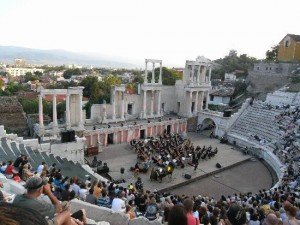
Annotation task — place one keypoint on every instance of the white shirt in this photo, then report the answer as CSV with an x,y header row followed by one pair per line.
x,y
40,169
3,168
118,205
75,188
82,193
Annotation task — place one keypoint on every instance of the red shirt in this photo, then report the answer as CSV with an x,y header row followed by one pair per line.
x,y
191,220
9,170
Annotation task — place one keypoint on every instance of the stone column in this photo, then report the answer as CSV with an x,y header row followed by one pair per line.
x,y
196,104
68,115
41,116
54,112
122,106
105,140
190,103
146,73
190,73
159,104
153,73
201,100
80,110
113,105
207,98
202,76
209,75
144,104
198,74
160,73
193,73
152,101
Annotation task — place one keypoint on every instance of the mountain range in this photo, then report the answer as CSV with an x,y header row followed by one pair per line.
x,y
60,57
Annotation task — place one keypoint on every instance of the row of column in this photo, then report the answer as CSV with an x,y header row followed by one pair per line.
x,y
54,112
151,103
153,73
199,94
200,78
122,105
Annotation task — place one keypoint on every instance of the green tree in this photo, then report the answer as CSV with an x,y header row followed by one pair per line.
x,y
3,73
231,63
1,84
87,83
169,76
30,77
70,72
138,78
271,55
12,88
112,80
38,74
30,106
240,88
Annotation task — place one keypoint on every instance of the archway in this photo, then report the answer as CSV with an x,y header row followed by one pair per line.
x,y
207,127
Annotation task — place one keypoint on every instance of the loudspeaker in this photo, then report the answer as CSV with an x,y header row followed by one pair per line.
x,y
72,135
187,176
227,113
122,170
218,165
64,136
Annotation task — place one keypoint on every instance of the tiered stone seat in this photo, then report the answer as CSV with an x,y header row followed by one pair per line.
x,y
10,151
6,148
257,120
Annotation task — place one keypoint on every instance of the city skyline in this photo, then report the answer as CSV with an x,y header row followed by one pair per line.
x,y
134,30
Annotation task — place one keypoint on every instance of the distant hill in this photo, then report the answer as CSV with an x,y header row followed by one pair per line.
x,y
58,57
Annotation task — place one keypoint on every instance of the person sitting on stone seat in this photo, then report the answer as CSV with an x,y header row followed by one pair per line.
x,y
15,215
18,161
9,170
54,213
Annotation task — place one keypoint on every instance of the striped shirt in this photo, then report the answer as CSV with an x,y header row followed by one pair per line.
x,y
103,201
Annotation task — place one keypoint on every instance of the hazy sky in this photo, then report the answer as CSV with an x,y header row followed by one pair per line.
x,y
171,30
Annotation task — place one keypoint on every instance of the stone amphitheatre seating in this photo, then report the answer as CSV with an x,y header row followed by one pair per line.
x,y
11,150
257,120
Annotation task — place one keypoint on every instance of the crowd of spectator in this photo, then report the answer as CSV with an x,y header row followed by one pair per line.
x,y
278,206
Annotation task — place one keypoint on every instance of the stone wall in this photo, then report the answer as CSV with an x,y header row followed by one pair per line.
x,y
217,117
13,116
97,213
267,77
73,151
169,99
265,84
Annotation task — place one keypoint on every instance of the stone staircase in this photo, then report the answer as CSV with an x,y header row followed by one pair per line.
x,y
10,150
256,120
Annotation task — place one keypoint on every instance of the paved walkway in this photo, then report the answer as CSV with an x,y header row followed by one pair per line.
x,y
243,178
122,155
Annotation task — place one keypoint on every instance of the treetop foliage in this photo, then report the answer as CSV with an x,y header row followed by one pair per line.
x,y
232,62
70,72
271,55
